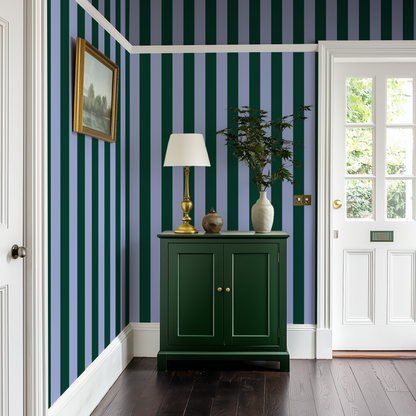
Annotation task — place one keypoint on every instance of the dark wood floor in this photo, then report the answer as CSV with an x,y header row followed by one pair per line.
x,y
338,387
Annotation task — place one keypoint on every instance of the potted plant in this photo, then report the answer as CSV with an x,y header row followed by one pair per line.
x,y
258,142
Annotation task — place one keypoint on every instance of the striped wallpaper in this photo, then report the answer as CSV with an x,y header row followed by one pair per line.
x,y
88,203
109,201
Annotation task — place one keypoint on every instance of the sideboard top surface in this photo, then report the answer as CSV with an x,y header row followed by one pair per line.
x,y
225,234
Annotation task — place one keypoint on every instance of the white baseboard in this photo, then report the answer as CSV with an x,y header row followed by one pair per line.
x,y
83,396
324,344
142,340
300,340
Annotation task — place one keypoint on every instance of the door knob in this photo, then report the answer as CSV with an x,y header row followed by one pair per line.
x,y
219,289
17,251
337,204
228,289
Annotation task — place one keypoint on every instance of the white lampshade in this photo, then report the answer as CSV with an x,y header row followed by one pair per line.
x,y
186,150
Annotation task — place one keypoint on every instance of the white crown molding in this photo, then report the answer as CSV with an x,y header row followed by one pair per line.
x,y
137,49
223,48
102,21
329,53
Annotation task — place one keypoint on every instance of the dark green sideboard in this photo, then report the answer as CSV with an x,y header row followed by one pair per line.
x,y
223,297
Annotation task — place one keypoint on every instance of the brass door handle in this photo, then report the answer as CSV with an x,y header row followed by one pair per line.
x,y
219,289
228,289
337,204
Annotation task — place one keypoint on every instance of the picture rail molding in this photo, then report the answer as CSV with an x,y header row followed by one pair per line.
x,y
156,49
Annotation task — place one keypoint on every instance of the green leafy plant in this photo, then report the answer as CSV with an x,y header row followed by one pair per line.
x,y
256,147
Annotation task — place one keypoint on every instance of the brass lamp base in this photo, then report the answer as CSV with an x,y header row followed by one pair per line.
x,y
186,206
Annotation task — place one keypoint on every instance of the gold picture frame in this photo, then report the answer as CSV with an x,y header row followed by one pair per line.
x,y
96,77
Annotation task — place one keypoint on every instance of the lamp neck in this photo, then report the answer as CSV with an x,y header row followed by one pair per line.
x,y
186,195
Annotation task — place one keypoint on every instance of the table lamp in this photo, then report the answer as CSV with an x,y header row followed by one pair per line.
x,y
186,150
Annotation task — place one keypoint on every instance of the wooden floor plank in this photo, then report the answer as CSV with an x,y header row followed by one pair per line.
x,y
251,399
115,388
351,398
300,390
277,394
373,392
177,397
407,370
154,394
128,395
203,394
388,376
325,393
403,402
226,398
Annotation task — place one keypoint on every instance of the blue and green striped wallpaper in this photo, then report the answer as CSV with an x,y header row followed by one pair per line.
x,y
108,201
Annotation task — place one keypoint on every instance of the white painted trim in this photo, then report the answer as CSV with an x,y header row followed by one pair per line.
x,y
137,49
223,48
329,53
300,340
146,339
102,21
83,396
36,208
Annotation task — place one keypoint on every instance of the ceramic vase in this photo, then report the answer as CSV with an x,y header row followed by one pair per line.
x,y
262,214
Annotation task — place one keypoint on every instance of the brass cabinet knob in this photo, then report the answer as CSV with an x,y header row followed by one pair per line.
x,y
219,289
337,204
228,289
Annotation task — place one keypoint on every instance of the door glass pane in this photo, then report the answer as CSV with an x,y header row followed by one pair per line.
x,y
399,100
399,151
359,151
399,199
359,100
360,199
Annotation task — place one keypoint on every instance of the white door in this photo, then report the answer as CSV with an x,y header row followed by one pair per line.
x,y
374,257
11,207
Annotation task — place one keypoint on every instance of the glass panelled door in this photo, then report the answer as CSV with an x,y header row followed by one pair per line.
x,y
373,272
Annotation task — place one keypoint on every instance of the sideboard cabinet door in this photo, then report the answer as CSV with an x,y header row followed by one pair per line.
x,y
251,304
195,304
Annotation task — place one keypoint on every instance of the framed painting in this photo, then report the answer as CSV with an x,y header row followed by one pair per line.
x,y
95,93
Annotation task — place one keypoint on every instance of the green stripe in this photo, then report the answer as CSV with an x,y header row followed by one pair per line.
x,y
254,22
118,183
188,22
408,22
81,227
144,22
49,204
386,23
145,168
232,22
127,15
232,161
210,129
189,116
127,185
276,16
320,20
95,223
276,86
107,210
298,21
166,8
64,185
254,99
210,22
364,20
298,211
342,20
167,121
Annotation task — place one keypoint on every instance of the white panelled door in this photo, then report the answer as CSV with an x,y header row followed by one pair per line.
x,y
11,207
374,250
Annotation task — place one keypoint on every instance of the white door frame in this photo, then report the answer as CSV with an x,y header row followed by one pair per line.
x,y
329,53
36,209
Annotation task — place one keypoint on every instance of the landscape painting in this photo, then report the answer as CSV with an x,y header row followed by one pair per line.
x,y
95,97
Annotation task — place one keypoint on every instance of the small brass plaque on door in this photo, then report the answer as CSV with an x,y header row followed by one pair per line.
x,y
382,236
